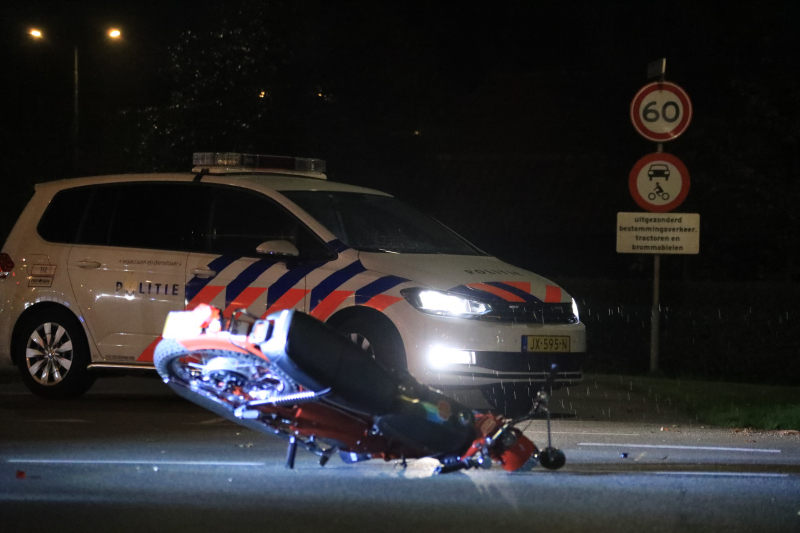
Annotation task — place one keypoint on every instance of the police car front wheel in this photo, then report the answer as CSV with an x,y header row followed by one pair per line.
x,y
379,340
52,354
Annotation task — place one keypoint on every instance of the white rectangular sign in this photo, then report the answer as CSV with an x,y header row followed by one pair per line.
x,y
658,233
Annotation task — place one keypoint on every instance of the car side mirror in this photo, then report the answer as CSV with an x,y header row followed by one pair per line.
x,y
278,249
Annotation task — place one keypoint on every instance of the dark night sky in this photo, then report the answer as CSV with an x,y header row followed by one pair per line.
x,y
611,41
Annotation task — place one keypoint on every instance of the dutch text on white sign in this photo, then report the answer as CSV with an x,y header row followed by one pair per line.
x,y
655,233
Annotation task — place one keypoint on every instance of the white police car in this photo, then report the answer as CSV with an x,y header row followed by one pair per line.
x,y
93,266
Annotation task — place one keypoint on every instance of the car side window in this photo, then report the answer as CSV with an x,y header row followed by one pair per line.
x,y
181,216
62,218
97,222
242,220
139,215
151,215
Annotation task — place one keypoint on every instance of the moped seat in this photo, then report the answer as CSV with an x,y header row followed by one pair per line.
x,y
319,357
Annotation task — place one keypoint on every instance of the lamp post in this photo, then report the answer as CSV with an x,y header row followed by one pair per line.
x,y
114,34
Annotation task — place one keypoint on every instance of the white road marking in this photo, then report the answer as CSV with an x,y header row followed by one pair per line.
x,y
676,447
207,422
586,433
727,474
113,462
62,420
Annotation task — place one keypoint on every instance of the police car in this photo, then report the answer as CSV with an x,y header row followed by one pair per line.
x,y
94,265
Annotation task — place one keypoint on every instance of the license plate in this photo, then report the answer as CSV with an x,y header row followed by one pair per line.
x,y
545,343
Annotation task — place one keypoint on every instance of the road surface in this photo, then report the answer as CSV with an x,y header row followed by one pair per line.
x,y
132,456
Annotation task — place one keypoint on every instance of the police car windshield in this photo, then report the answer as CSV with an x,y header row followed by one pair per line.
x,y
375,223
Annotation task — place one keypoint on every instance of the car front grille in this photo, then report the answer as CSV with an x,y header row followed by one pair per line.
x,y
529,362
532,313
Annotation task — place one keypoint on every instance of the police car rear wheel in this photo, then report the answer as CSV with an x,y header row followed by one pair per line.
x,y
380,341
52,354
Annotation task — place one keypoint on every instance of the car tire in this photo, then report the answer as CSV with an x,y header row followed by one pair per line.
x,y
52,354
379,340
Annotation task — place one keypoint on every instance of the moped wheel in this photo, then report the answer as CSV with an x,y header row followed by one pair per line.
x,y
230,378
552,458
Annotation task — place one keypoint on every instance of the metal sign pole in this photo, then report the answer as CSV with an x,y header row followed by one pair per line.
x,y
655,315
656,69
75,115
655,312
658,124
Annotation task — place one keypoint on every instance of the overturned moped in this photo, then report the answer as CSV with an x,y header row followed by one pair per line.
x,y
293,376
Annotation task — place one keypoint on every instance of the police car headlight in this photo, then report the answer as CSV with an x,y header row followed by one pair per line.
x,y
445,304
575,310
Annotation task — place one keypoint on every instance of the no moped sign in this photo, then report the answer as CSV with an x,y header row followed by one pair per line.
x,y
659,182
661,111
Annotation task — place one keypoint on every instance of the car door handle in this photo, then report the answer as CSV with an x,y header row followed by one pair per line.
x,y
88,264
204,273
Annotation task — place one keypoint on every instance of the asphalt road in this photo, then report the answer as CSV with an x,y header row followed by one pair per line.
x,y
132,456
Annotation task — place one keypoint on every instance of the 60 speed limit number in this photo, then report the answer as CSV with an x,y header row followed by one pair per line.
x,y
661,111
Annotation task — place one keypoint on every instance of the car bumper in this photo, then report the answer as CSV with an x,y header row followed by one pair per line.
x,y
5,325
497,347
494,367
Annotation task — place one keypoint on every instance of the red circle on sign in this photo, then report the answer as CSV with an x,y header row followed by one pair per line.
x,y
634,177
643,93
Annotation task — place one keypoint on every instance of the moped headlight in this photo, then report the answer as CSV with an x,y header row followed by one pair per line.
x,y
445,303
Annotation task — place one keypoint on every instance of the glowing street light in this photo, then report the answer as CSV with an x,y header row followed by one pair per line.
x,y
114,34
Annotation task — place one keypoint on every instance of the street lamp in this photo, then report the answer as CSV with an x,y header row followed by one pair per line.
x,y
113,33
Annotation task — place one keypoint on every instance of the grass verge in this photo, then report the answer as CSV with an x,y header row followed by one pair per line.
x,y
743,405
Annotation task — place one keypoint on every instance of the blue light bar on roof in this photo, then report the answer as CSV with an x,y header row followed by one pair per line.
x,y
256,162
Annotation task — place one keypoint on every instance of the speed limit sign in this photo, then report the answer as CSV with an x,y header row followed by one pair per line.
x,y
661,111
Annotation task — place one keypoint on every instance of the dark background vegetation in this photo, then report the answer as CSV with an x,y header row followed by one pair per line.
x,y
506,120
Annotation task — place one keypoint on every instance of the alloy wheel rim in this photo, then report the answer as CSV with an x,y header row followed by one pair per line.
x,y
362,342
49,353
